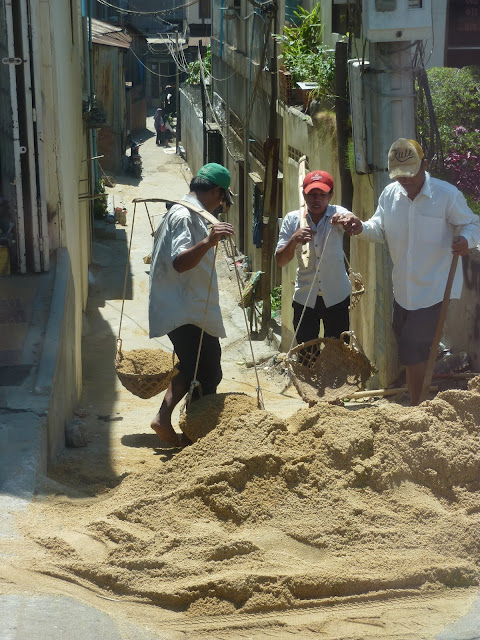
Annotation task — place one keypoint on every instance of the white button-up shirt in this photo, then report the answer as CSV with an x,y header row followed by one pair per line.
x,y
326,254
177,299
419,235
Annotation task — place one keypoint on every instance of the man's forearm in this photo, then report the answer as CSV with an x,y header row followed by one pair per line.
x,y
190,258
285,254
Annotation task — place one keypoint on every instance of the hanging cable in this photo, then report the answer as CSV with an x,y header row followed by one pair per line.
x,y
147,13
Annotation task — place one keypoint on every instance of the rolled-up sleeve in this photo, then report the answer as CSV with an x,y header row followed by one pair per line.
x,y
460,215
290,224
181,236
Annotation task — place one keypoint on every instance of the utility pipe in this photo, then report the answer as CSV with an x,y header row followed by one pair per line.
x,y
17,149
29,119
39,133
92,91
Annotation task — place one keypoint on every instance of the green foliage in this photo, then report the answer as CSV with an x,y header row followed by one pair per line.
x,y
456,94
305,55
194,67
276,298
456,103
100,204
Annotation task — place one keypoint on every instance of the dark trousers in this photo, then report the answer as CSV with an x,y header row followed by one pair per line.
x,y
185,340
160,137
335,319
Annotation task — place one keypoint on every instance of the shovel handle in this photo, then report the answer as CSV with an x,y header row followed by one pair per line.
x,y
438,332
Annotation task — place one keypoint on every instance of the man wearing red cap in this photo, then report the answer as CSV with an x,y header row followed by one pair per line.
x,y
322,287
424,221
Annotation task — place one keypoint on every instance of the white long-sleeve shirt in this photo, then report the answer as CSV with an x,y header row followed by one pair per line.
x,y
419,235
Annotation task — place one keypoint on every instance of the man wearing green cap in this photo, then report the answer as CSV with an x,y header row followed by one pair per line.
x,y
424,221
181,282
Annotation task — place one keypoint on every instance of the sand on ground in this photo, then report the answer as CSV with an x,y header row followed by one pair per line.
x,y
336,522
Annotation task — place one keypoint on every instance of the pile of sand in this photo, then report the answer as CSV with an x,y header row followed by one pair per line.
x,y
207,412
145,362
264,514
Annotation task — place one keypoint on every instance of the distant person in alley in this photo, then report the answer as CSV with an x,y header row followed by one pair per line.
x,y
181,282
322,288
159,124
424,221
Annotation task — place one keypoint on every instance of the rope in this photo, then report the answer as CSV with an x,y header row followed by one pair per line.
x,y
310,290
119,342
195,383
149,219
260,402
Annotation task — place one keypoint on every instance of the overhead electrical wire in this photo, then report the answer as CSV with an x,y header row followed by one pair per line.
x,y
136,12
160,75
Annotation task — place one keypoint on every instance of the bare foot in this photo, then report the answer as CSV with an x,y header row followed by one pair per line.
x,y
165,432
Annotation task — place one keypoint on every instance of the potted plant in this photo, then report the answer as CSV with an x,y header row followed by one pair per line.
x,y
305,59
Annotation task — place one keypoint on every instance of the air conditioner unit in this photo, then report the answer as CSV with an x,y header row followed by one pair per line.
x,y
397,20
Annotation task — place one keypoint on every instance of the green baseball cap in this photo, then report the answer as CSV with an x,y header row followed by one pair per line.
x,y
217,174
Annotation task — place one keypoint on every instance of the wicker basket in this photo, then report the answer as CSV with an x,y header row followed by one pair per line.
x,y
144,386
328,369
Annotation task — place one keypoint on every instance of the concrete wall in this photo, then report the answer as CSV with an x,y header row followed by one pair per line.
x,y
66,167
462,328
372,315
58,363
317,139
192,127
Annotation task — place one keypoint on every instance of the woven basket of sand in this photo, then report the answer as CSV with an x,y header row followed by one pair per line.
x,y
328,369
204,414
145,372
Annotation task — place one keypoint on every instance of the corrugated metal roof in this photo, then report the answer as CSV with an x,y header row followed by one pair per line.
x,y
165,40
109,35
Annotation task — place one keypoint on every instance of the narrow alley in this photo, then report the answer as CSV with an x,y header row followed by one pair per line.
x,y
290,522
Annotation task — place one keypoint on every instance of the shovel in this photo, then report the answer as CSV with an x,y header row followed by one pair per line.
x,y
438,332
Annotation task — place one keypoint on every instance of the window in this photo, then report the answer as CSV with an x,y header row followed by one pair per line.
x,y
204,9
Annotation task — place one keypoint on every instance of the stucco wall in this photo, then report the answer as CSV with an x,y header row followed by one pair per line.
x,y
58,364
462,328
316,138
66,168
192,128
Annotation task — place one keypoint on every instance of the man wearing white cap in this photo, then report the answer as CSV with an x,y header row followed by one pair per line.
x,y
322,287
424,221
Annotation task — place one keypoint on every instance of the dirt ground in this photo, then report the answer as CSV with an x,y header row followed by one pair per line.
x,y
326,522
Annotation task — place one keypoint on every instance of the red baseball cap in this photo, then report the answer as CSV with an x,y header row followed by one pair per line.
x,y
318,180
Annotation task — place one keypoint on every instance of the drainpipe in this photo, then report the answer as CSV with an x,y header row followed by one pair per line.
x,y
222,9
42,199
30,151
92,92
17,149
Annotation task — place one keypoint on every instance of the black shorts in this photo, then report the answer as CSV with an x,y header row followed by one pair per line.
x,y
185,340
414,331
